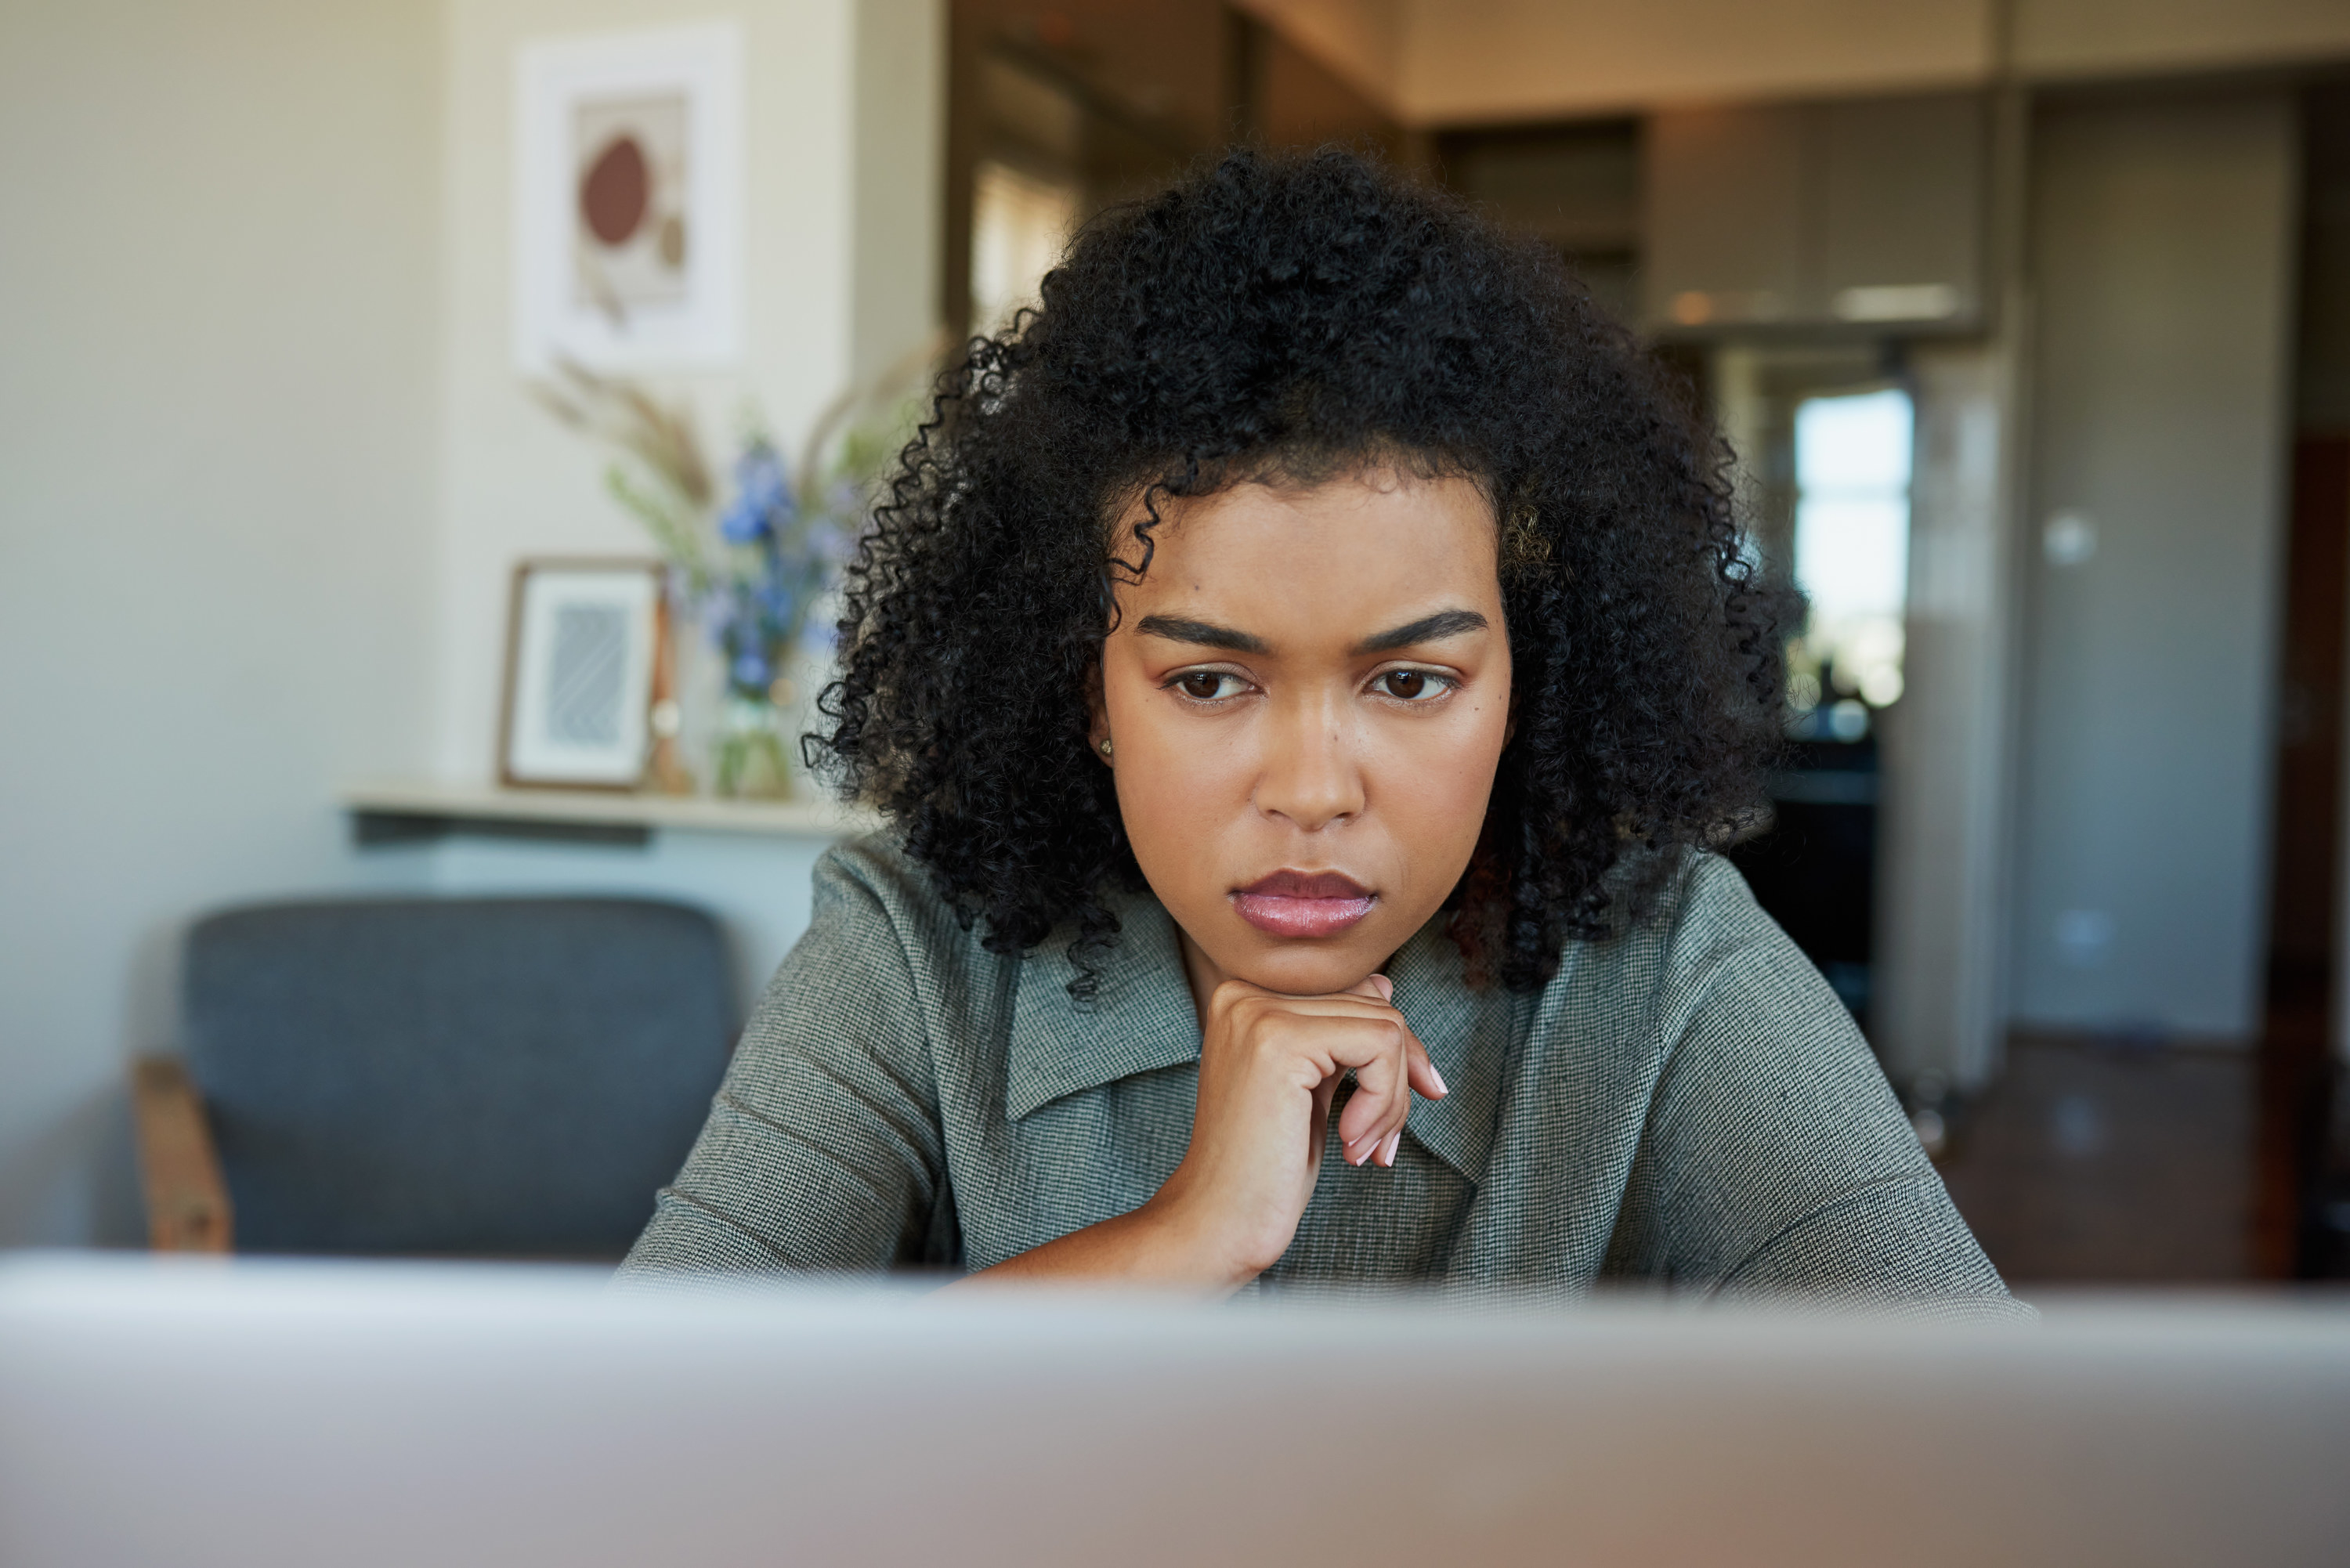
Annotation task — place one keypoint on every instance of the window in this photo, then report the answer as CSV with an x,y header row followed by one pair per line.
x,y
1852,456
1019,225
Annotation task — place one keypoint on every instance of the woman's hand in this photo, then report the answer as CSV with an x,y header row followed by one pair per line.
x,y
1270,1067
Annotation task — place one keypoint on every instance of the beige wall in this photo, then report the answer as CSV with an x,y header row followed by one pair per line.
x,y
217,385
898,181
2114,37
1945,828
1448,62
2161,263
1468,60
1361,40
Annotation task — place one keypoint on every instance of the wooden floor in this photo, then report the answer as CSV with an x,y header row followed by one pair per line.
x,y
2095,1162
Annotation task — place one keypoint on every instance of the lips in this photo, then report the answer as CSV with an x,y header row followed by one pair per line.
x,y
1303,904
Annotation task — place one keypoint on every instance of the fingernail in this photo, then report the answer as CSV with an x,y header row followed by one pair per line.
x,y
1432,1072
1395,1147
1387,986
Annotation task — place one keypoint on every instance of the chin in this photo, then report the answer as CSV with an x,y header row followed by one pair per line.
x,y
1308,968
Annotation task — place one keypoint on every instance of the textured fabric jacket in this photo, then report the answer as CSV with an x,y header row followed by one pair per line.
x,y
1687,1104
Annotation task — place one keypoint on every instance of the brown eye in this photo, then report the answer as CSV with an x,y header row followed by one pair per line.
x,y
1407,684
1204,685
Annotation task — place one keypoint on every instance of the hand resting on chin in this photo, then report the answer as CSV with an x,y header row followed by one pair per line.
x,y
1270,1067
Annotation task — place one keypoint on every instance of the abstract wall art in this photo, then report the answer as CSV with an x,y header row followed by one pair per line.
x,y
628,196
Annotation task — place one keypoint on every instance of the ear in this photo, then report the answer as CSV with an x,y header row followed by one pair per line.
x,y
1096,714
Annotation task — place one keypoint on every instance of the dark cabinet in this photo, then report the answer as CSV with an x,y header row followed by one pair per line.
x,y
1863,213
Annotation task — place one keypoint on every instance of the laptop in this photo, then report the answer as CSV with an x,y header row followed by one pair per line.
x,y
160,1411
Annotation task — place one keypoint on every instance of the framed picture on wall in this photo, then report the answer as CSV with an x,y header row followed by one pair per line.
x,y
628,198
583,641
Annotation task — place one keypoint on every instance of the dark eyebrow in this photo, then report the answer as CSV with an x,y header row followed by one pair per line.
x,y
1427,628
1204,634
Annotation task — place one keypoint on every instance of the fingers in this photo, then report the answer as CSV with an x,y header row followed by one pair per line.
x,y
1376,1147
1382,1098
1425,1078
1419,1068
1318,1127
1371,1127
1358,1029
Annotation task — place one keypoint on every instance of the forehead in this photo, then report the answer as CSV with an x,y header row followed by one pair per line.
x,y
1344,549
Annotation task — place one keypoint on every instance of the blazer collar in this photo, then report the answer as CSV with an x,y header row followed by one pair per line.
x,y
1142,1020
1467,1034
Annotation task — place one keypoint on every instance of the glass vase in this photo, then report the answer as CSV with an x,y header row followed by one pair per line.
x,y
754,761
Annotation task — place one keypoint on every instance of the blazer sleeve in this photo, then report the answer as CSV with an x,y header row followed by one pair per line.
x,y
1774,1160
823,1149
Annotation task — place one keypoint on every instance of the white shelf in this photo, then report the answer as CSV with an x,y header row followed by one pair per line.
x,y
593,809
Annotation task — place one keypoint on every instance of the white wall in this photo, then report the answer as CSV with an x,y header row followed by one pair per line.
x,y
2161,243
267,469
217,433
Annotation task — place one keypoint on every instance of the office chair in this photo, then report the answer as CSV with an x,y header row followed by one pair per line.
x,y
442,1076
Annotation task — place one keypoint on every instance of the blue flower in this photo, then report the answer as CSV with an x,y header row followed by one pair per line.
x,y
716,613
762,498
759,472
743,524
751,669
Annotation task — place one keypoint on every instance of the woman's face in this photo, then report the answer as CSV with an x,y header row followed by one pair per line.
x,y
1305,697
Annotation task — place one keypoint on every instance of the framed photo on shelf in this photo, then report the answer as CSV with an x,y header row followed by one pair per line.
x,y
584,643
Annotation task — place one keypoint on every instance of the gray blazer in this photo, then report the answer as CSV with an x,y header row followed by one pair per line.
x,y
1687,1104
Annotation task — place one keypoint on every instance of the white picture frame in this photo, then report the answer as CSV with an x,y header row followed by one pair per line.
x,y
628,199
582,654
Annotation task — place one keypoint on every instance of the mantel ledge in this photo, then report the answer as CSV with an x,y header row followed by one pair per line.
x,y
450,804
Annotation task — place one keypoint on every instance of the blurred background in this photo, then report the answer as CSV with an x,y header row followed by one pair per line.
x,y
2027,320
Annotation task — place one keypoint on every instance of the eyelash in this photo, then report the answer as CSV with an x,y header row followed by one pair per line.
x,y
1445,683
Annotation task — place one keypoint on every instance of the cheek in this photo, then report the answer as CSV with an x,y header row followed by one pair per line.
x,y
1435,778
1175,778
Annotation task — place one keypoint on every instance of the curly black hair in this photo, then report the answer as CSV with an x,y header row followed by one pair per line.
x,y
1284,317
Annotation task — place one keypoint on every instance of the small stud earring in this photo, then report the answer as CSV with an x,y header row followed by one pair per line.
x,y
1105,745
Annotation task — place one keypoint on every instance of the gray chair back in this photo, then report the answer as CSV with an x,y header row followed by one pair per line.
x,y
506,1077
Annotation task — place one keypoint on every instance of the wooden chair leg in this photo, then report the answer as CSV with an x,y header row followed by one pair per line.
x,y
187,1199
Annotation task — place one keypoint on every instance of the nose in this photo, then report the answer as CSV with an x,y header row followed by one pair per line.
x,y
1310,776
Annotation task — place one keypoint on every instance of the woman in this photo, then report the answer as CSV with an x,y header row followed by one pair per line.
x,y
1306,668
